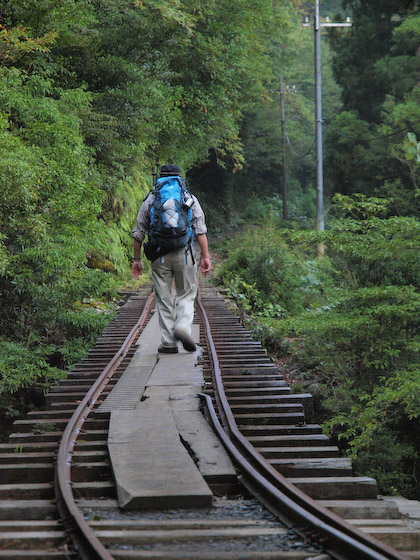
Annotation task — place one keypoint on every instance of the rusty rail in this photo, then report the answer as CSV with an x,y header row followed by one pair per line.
x,y
89,546
343,541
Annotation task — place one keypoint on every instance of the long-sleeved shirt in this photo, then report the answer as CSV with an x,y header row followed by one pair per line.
x,y
143,218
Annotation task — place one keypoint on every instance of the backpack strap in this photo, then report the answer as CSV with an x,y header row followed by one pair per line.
x,y
147,195
190,248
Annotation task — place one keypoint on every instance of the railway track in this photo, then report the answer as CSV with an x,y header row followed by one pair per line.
x,y
57,493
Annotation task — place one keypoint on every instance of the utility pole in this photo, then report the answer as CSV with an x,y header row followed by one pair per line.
x,y
283,144
320,224
283,90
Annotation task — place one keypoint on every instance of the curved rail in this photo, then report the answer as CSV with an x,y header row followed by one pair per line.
x,y
89,546
343,540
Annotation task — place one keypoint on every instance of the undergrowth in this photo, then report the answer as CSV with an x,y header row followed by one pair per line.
x,y
347,327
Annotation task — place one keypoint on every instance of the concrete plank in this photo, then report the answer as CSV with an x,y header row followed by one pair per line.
x,y
178,397
209,454
176,369
130,387
212,459
156,427
147,537
335,488
408,508
363,509
151,466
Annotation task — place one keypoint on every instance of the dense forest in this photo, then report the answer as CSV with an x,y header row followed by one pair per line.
x,y
93,91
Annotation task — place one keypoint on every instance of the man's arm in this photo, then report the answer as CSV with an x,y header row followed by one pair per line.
x,y
205,256
137,268
139,233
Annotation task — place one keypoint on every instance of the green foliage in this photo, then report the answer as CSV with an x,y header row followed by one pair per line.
x,y
16,44
390,461
365,344
24,374
28,369
376,65
349,323
90,94
268,277
259,175
372,331
50,201
407,34
412,147
381,430
369,249
358,51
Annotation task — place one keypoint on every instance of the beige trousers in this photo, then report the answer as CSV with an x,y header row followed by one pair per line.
x,y
175,280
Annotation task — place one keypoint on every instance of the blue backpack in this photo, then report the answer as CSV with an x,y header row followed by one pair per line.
x,y
170,218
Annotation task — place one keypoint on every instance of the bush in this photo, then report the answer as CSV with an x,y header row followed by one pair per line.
x,y
390,461
25,375
367,333
268,277
349,324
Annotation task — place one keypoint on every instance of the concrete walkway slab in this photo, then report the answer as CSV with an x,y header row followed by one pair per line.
x,y
131,385
162,450
407,508
212,460
177,369
153,469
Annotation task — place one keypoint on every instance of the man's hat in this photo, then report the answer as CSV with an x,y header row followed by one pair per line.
x,y
170,169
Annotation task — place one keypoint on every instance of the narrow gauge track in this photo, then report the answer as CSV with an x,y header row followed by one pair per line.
x,y
284,458
262,417
38,514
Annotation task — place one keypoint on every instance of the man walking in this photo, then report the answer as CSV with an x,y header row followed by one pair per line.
x,y
172,266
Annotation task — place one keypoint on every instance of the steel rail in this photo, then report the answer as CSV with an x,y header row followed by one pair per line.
x,y
89,546
340,535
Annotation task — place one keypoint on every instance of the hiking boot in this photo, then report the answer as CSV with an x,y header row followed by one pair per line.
x,y
167,349
187,342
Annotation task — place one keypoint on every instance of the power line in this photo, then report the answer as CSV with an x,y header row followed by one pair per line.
x,y
295,152
374,137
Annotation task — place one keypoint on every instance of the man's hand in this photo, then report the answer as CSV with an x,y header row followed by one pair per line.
x,y
205,258
137,269
205,266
